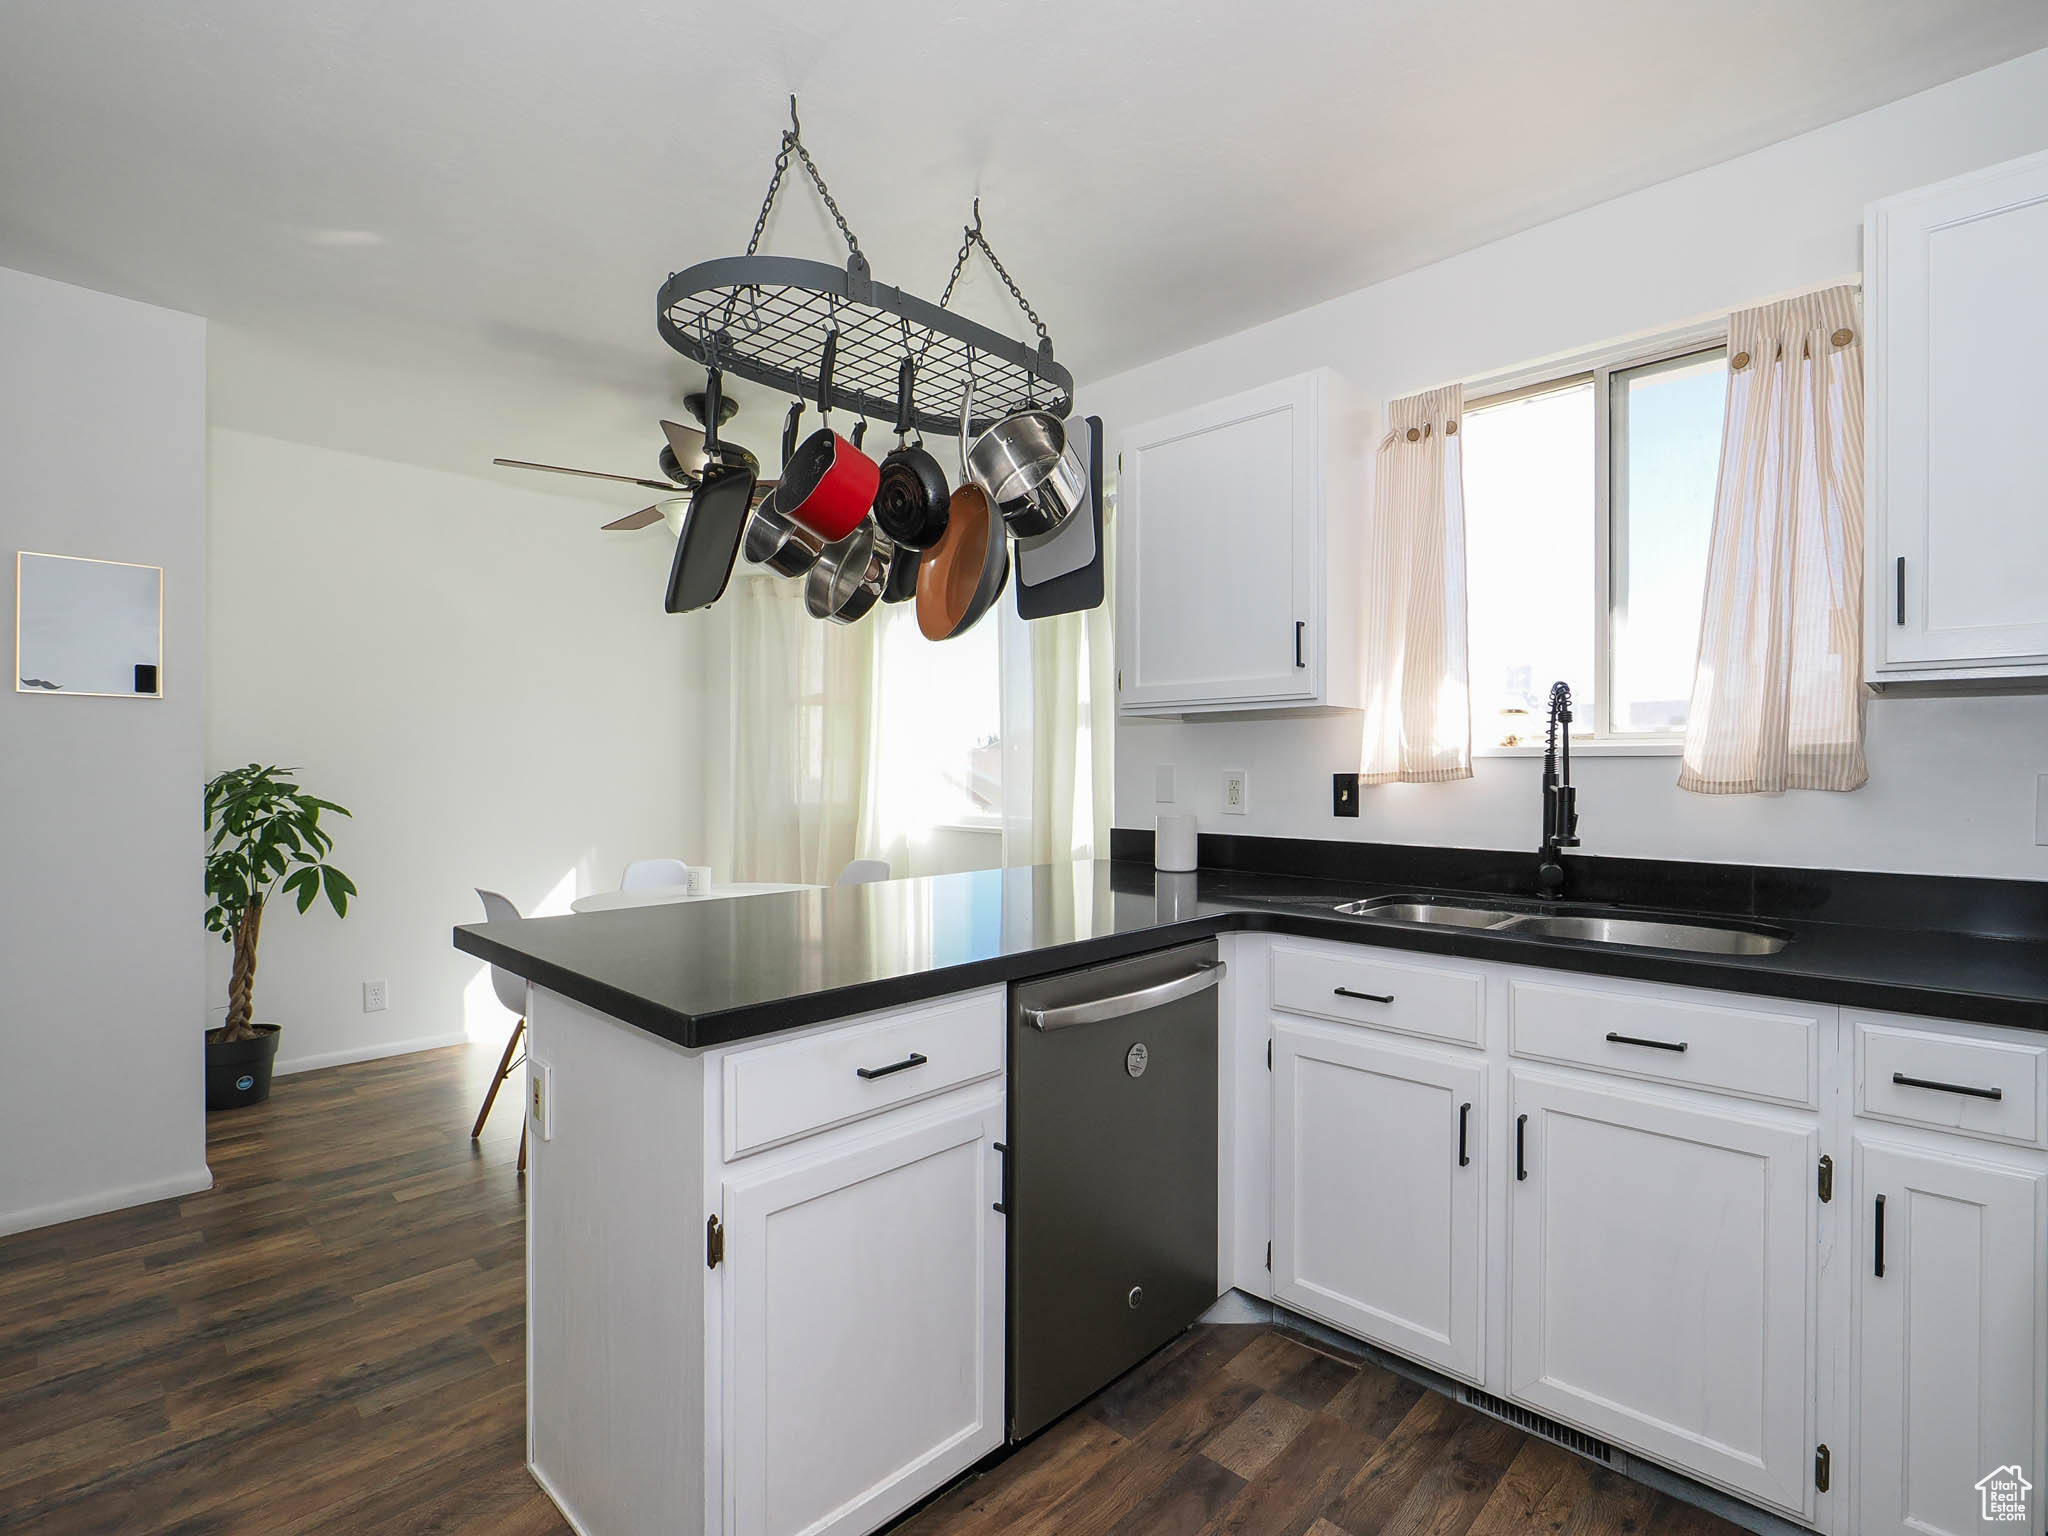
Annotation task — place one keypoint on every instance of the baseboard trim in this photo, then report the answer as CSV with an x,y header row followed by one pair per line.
x,y
105,1200
288,1065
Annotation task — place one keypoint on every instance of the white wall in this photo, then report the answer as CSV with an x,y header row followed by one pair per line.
x,y
477,672
102,453
1952,781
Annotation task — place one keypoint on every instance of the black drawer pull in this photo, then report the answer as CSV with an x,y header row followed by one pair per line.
x,y
1902,589
1299,626
1927,1082
1464,1133
1878,1267
1365,997
1521,1146
1002,1205
1655,1045
871,1073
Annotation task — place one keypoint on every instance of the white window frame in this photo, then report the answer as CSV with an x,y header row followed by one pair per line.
x,y
1598,367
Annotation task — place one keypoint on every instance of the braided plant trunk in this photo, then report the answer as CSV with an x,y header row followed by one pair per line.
x,y
242,984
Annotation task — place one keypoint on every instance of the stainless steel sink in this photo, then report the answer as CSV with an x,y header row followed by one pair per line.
x,y
1698,938
1586,927
1445,914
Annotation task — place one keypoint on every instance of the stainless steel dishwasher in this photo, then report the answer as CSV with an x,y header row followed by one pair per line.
x,y
1112,1172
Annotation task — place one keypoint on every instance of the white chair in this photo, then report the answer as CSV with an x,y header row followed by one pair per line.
x,y
511,992
644,873
863,872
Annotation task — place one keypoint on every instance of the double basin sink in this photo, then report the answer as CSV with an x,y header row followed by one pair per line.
x,y
1581,924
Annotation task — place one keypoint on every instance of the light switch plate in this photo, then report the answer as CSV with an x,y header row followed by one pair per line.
x,y
1162,784
540,1098
1237,791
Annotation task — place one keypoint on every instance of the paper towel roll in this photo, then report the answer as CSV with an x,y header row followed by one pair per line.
x,y
1173,845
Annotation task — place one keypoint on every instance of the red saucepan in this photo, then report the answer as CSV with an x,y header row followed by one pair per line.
x,y
829,484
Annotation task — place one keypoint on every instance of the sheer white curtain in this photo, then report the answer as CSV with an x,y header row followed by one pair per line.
x,y
802,713
1418,706
1073,702
1777,700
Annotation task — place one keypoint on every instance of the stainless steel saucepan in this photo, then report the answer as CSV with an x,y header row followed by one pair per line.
x,y
1031,468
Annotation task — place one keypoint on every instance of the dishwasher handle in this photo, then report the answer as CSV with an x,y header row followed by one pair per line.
x,y
1100,1010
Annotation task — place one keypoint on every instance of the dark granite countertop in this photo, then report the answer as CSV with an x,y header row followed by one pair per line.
x,y
707,973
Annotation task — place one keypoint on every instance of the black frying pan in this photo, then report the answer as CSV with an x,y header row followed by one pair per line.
x,y
912,497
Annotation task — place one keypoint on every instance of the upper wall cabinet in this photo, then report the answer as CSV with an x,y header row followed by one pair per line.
x,y
1957,318
1237,543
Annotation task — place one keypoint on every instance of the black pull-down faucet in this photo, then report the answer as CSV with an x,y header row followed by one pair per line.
x,y
1560,800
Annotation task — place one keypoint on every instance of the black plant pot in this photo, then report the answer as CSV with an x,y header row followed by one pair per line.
x,y
238,1071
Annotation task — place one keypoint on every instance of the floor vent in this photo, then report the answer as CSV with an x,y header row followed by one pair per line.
x,y
1536,1424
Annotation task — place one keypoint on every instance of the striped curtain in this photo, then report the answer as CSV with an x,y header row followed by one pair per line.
x,y
1418,704
1777,696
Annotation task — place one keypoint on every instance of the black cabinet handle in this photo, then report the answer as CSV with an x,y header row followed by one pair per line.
x,y
1521,1146
1877,1267
871,1073
1927,1082
1299,626
1365,997
1655,1045
1902,589
1464,1133
1002,1204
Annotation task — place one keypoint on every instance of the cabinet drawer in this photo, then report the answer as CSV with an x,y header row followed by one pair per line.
x,y
1760,1052
1978,1087
775,1093
1358,986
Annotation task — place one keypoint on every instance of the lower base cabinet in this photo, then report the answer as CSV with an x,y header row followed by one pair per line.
x,y
1951,1328
1379,1197
863,1326
1662,1265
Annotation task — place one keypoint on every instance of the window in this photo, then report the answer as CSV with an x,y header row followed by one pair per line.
x,y
1589,497
940,722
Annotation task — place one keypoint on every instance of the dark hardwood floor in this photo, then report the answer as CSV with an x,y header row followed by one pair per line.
x,y
331,1340
1245,1430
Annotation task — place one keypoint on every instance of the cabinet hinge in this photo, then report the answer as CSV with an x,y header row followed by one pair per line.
x,y
1825,1184
714,1243
1269,1258
1821,1467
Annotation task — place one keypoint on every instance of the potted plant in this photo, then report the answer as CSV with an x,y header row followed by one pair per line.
x,y
263,836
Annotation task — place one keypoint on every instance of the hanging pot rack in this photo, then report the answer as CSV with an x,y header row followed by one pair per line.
x,y
766,319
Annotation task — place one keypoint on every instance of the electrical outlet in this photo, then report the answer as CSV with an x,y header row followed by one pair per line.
x,y
1343,794
376,996
1162,784
540,1098
1237,792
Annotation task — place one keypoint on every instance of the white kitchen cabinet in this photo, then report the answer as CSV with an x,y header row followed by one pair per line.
x,y
863,1320
1956,319
1238,530
1662,1265
1951,1353
1379,1191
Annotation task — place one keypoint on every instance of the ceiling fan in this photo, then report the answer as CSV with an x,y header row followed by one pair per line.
x,y
682,462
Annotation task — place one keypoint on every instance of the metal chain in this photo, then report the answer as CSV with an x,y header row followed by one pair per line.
x,y
975,237
792,143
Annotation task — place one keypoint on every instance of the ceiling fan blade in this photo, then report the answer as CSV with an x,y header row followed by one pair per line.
x,y
591,474
646,517
687,443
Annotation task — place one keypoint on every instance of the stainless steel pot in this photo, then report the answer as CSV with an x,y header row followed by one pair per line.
x,y
1032,470
848,578
786,548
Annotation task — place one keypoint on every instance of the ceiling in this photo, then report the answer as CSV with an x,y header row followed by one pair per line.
x,y
505,184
